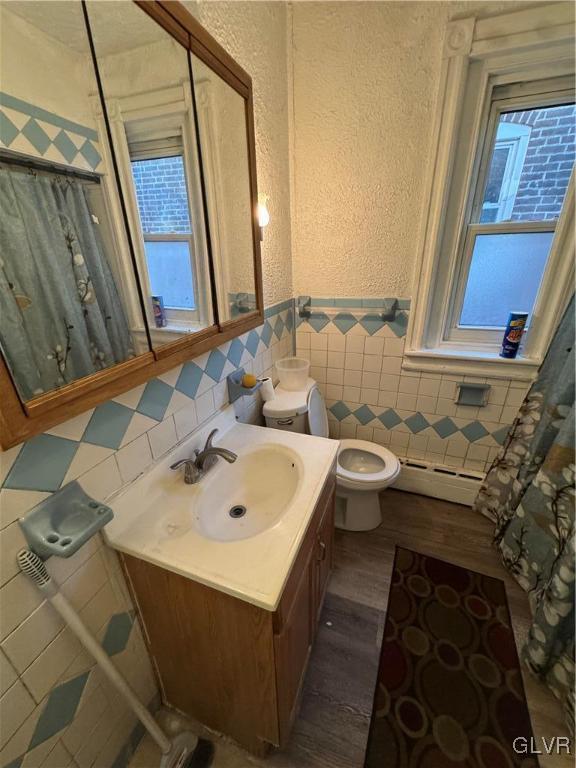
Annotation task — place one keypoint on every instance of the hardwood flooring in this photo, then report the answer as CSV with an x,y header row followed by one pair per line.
x,y
332,727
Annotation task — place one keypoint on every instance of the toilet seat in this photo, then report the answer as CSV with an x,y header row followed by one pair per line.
x,y
362,477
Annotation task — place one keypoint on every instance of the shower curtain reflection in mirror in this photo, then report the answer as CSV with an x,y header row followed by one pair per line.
x,y
62,317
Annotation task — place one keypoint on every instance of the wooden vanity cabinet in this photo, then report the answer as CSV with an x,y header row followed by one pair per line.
x,y
231,665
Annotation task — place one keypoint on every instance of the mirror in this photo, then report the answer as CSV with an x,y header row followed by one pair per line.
x,y
146,85
224,141
130,242
68,298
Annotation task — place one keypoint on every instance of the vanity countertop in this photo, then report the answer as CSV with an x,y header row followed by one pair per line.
x,y
158,518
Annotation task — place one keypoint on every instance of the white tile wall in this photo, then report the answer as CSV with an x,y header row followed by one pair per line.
x,y
363,369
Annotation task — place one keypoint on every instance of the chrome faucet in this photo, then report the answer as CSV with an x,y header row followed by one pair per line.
x,y
195,468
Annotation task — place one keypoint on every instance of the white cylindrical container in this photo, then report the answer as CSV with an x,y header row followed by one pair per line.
x,y
267,389
293,373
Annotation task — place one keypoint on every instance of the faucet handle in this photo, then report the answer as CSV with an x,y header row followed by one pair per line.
x,y
180,463
209,440
191,471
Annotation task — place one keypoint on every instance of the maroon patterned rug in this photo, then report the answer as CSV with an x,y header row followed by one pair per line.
x,y
449,691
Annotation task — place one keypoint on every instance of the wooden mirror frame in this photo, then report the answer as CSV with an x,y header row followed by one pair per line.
x,y
22,420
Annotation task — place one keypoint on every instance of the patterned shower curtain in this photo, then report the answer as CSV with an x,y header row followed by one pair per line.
x,y
529,494
61,313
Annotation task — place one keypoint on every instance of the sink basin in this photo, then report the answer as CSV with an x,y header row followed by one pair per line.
x,y
250,497
271,490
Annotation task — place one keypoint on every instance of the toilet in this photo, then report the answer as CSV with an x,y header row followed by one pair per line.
x,y
363,469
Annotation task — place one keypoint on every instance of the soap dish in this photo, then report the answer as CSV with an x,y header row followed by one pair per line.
x,y
235,388
64,521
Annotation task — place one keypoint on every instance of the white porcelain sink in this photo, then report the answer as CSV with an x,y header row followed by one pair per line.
x,y
278,477
257,490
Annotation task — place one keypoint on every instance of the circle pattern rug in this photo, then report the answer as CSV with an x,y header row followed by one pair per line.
x,y
449,692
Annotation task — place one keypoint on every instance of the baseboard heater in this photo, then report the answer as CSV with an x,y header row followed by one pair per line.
x,y
450,483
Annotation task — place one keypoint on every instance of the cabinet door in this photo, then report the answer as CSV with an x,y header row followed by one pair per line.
x,y
323,551
292,647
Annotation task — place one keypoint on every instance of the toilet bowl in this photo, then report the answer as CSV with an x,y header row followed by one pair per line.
x,y
363,468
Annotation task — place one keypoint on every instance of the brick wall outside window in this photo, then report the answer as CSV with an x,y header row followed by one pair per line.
x,y
162,195
548,163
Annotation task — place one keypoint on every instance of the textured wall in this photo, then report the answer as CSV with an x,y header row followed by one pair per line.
x,y
254,33
365,82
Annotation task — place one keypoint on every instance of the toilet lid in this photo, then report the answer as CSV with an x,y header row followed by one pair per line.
x,y
317,418
365,462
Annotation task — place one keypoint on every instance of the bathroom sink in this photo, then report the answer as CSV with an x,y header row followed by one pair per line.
x,y
239,528
249,496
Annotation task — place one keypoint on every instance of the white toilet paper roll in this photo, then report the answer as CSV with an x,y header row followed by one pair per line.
x,y
267,389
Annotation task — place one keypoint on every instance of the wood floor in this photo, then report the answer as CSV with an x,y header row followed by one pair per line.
x,y
332,728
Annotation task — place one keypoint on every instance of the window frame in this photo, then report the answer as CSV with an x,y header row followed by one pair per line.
x,y
159,149
138,133
491,336
523,49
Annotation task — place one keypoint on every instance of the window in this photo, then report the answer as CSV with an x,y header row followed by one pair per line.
x,y
498,227
524,171
162,198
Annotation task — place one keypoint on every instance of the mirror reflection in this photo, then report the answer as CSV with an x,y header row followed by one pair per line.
x,y
66,295
146,84
224,141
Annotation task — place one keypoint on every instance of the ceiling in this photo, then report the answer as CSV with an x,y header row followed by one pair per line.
x,y
117,25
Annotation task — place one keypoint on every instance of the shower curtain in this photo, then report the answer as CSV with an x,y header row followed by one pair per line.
x,y
61,313
529,494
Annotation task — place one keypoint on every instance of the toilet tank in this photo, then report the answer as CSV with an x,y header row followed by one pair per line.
x,y
288,410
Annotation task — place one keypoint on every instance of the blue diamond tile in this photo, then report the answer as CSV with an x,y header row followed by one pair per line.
x,y
117,633
364,415
122,758
155,399
189,379
235,352
278,327
416,422
215,365
252,343
108,425
344,321
8,130
16,763
36,135
59,710
66,148
340,410
474,431
290,320
501,434
42,464
390,418
371,323
90,154
318,320
399,324
267,333
445,427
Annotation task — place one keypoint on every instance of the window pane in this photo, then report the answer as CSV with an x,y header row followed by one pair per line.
x,y
162,195
531,164
170,272
505,275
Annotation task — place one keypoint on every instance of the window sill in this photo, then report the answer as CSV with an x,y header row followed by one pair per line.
x,y
470,363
